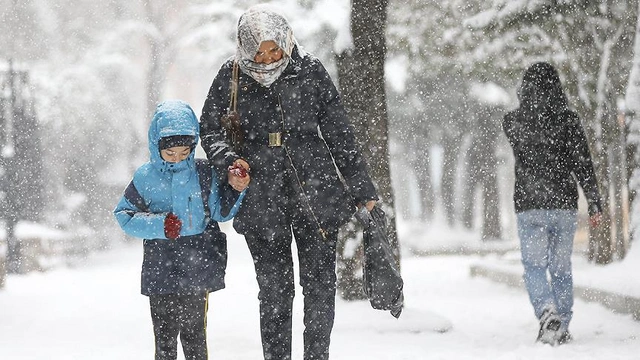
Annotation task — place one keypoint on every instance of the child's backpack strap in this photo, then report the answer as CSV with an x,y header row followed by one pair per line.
x,y
134,197
204,174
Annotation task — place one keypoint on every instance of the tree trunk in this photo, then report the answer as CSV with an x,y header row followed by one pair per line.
x,y
349,247
160,57
421,163
155,72
632,100
471,181
619,180
600,242
491,227
450,148
361,79
632,163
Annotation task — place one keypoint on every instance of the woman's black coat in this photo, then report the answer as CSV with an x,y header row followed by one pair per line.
x,y
304,105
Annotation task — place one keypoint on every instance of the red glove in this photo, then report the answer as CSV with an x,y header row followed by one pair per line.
x,y
172,226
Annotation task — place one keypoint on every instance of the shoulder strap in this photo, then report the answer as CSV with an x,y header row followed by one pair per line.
x,y
204,175
233,98
134,197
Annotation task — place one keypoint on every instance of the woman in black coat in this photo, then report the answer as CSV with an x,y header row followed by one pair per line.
x,y
551,153
295,142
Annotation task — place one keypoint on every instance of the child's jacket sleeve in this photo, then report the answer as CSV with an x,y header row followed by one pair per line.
x,y
224,201
134,218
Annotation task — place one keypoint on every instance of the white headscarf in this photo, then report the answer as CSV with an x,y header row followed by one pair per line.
x,y
260,24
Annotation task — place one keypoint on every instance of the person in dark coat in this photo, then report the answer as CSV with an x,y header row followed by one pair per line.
x,y
185,253
296,143
551,153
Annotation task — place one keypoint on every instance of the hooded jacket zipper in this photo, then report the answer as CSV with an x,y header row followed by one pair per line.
x,y
190,214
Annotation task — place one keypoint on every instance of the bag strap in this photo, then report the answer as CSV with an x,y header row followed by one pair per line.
x,y
134,197
233,98
231,120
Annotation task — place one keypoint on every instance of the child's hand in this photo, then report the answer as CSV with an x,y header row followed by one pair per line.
x,y
238,176
238,170
172,226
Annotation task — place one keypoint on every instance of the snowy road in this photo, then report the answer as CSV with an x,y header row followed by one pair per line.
x,y
96,312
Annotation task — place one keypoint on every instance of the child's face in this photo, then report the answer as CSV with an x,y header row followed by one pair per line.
x,y
175,154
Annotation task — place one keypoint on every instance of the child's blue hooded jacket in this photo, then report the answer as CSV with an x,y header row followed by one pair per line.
x,y
196,261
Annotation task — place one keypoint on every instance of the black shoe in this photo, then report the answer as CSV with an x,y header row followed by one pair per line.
x,y
549,327
564,338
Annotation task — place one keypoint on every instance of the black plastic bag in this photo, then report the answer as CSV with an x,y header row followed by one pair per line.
x,y
381,276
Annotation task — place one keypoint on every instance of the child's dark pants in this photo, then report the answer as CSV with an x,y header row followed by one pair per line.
x,y
184,315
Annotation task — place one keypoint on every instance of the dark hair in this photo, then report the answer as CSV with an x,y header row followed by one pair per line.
x,y
541,90
177,140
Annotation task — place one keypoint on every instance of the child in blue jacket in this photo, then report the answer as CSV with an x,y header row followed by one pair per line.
x,y
174,203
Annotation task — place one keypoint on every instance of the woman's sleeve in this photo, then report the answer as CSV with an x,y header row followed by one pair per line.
x,y
339,135
134,218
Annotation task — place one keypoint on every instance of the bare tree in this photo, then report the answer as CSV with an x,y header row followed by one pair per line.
x,y
632,101
482,173
361,79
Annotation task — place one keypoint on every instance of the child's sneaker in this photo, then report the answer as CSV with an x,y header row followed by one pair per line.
x,y
549,327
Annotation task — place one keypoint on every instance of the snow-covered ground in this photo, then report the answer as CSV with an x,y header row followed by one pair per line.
x,y
95,311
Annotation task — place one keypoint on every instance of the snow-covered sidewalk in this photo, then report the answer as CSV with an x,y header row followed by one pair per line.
x,y
615,285
95,311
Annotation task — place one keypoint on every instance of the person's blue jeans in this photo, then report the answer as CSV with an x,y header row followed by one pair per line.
x,y
546,244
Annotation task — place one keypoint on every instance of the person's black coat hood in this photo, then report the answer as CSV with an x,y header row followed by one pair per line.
x,y
541,92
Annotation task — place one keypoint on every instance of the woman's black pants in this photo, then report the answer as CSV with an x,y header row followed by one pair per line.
x,y
272,256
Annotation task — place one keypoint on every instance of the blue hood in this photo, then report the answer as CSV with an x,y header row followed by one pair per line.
x,y
172,117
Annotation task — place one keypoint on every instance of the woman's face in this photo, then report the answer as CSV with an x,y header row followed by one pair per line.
x,y
268,52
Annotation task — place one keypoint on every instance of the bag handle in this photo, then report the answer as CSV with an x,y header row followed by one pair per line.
x,y
231,120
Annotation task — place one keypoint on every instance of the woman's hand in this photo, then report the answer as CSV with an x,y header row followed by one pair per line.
x,y
595,219
370,204
238,175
